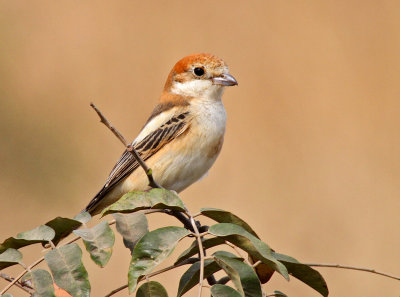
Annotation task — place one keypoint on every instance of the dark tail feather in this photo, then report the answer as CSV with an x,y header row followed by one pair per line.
x,y
96,199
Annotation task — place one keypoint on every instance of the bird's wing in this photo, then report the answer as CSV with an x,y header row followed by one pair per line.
x,y
146,147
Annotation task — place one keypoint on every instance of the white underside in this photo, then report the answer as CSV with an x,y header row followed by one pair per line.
x,y
185,160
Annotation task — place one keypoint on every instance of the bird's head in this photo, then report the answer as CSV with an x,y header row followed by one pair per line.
x,y
200,76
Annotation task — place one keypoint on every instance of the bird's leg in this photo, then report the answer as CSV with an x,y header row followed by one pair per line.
x,y
186,221
182,218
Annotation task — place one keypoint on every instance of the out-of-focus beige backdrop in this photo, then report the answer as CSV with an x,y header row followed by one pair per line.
x,y
311,154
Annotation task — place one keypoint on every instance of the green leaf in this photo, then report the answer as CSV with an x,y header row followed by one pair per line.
x,y
6,295
224,291
62,227
68,271
98,241
41,281
223,216
151,250
138,200
227,254
279,294
41,234
251,244
191,277
194,248
242,275
132,227
10,257
151,289
83,217
304,273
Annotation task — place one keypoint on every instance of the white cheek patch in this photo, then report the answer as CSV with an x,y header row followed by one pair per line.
x,y
194,88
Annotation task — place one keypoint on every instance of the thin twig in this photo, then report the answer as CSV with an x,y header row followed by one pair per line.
x,y
109,126
197,214
238,252
204,234
22,285
256,264
353,268
201,251
147,276
116,290
37,262
129,147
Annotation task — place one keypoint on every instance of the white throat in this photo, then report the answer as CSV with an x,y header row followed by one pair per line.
x,y
199,89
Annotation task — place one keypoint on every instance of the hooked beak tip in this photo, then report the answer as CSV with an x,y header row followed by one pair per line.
x,y
225,80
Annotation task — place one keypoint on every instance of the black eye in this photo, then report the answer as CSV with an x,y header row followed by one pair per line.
x,y
198,71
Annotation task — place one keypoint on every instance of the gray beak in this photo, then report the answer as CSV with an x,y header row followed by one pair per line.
x,y
225,80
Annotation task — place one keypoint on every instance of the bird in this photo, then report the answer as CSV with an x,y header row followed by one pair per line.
x,y
183,135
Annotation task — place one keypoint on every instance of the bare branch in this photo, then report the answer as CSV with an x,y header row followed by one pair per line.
x,y
22,285
201,251
37,262
129,148
116,290
109,126
353,268
197,214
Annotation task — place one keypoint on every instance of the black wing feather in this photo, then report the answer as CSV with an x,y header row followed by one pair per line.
x,y
145,148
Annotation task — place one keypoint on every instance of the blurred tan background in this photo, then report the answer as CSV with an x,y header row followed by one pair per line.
x,y
311,154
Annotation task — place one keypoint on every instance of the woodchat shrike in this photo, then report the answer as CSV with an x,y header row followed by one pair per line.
x,y
182,137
